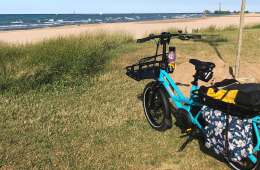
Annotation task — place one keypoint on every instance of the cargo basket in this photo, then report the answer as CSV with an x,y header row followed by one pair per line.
x,y
146,68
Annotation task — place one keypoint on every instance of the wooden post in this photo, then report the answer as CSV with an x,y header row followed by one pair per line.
x,y
240,37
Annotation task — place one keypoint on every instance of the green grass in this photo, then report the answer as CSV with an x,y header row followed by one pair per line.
x,y
67,104
64,61
256,26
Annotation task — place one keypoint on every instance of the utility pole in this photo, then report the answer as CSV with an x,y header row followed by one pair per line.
x,y
240,37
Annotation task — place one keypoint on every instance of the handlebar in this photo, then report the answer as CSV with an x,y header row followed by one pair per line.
x,y
150,37
167,36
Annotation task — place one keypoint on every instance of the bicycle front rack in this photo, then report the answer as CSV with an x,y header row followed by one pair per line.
x,y
146,68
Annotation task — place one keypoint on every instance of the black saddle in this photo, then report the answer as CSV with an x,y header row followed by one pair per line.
x,y
202,65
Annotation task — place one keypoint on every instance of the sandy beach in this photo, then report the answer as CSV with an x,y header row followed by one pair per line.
x,y
137,29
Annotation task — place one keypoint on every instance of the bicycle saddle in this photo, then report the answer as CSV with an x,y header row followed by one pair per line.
x,y
202,65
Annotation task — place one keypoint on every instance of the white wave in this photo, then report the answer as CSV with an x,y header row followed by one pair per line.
x,y
10,27
17,22
84,21
4,26
46,24
178,17
117,19
19,25
51,20
129,19
108,18
39,25
98,20
69,22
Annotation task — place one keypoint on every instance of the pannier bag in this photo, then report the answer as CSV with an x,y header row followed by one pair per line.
x,y
232,97
228,135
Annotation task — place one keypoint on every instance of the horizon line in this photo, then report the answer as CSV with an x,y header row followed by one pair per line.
x,y
108,13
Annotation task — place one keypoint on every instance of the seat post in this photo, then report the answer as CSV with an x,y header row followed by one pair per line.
x,y
195,81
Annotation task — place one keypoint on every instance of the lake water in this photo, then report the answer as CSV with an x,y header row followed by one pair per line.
x,y
31,21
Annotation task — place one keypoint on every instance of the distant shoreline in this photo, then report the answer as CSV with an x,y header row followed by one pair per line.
x,y
85,24
78,23
137,29
33,21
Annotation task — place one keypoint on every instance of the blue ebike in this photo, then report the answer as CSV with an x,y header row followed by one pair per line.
x,y
163,99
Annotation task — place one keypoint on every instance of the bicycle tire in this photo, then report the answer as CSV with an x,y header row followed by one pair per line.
x,y
154,98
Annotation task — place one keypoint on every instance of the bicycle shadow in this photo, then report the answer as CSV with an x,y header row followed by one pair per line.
x,y
214,41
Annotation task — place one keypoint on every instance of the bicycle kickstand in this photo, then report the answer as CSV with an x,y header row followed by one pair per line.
x,y
189,134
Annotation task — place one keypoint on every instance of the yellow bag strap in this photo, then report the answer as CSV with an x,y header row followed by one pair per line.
x,y
227,96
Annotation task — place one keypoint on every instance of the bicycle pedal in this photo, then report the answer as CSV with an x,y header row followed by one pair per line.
x,y
186,132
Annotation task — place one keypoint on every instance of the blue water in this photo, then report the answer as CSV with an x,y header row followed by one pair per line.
x,y
30,21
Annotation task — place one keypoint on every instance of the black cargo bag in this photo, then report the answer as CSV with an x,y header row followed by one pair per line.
x,y
246,100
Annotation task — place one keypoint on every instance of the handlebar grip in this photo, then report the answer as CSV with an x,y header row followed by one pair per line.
x,y
196,37
143,40
191,36
184,37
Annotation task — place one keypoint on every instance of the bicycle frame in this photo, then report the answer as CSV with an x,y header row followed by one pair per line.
x,y
177,97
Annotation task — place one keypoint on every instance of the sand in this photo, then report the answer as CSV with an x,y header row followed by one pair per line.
x,y
137,29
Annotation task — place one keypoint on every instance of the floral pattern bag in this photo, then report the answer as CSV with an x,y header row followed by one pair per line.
x,y
228,135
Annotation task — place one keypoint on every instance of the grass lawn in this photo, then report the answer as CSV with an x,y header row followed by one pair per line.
x,y
67,104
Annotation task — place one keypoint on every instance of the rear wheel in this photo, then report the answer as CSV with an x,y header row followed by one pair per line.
x,y
156,107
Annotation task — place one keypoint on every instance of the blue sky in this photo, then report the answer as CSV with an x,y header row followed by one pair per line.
x,y
119,6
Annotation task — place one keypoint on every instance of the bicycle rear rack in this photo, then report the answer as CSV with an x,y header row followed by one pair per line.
x,y
146,68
